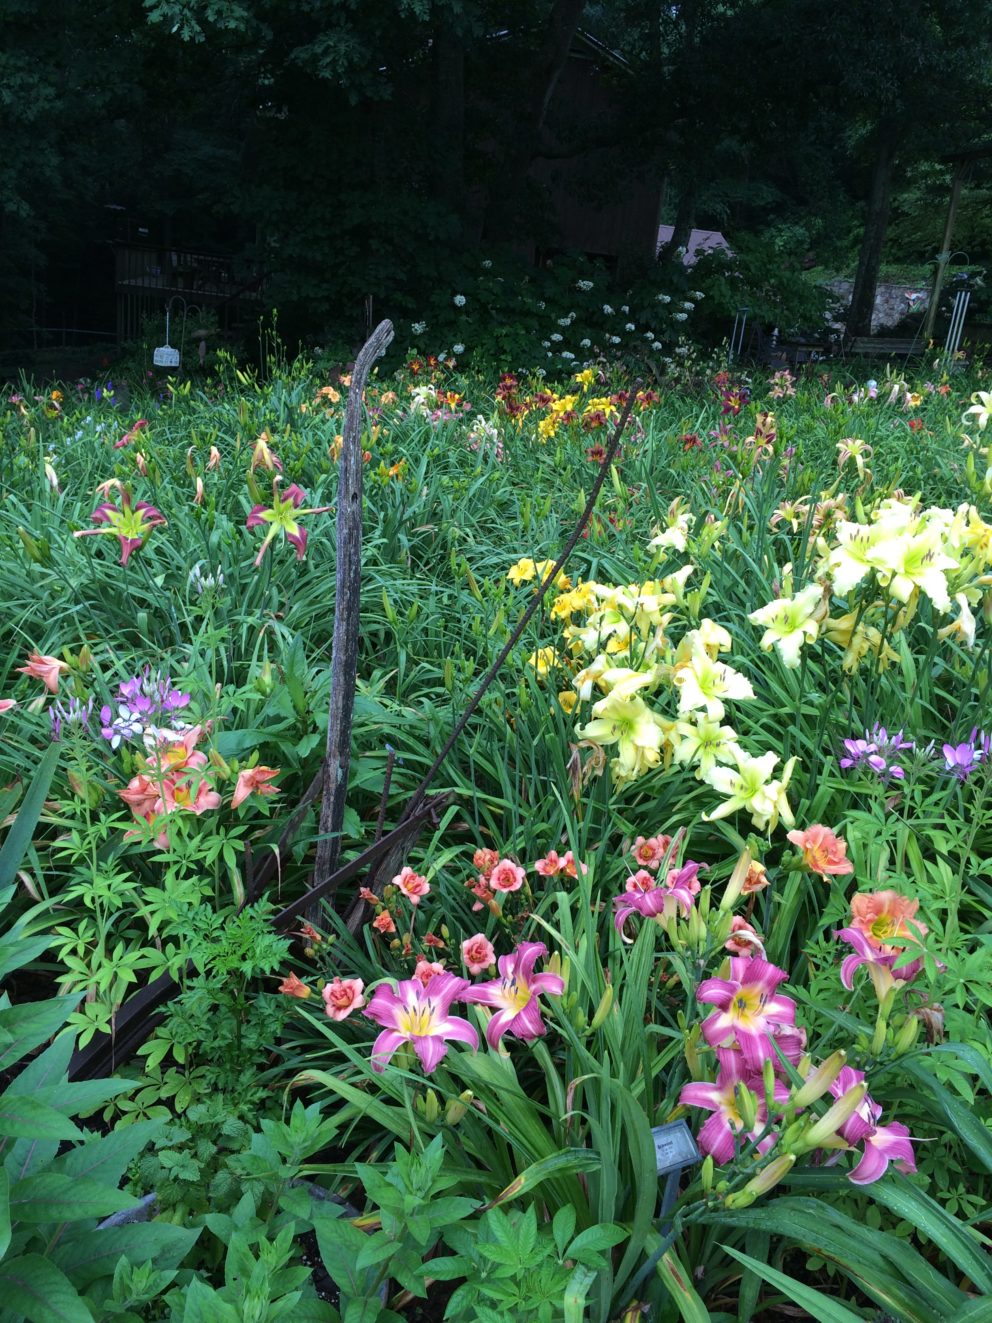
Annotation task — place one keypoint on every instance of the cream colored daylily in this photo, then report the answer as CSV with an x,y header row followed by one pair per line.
x,y
981,407
704,743
703,682
790,622
750,786
630,724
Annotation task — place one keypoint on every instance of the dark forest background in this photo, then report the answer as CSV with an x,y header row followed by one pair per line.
x,y
341,158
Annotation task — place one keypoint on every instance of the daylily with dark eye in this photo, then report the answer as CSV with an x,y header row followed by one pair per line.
x,y
281,517
130,523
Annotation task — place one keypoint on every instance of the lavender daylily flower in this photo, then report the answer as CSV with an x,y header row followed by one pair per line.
x,y
417,1013
514,994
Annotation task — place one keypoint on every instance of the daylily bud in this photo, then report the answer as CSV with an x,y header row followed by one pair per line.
x,y
84,658
30,546
907,1036
821,1079
706,1173
389,609
747,1105
457,1107
263,682
190,466
579,1019
696,928
834,1117
765,1180
690,1049
214,461
603,1009
768,1080
140,463
198,496
736,883
432,1108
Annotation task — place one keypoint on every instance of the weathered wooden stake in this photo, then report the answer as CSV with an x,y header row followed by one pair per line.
x,y
347,612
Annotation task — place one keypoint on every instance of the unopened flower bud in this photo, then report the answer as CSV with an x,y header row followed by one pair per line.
x,y
263,681
820,1080
603,1009
733,888
690,1049
768,1080
765,1180
907,1036
747,1106
834,1117
706,1173
432,1108
457,1107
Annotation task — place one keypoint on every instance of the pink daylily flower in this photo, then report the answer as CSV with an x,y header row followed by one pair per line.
x,y
744,939
749,1008
550,865
254,781
478,953
130,524
882,1143
881,962
506,876
650,851
419,1015
514,994
44,668
6,704
412,885
718,1133
342,996
653,899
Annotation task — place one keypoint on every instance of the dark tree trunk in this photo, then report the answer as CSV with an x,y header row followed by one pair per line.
x,y
876,224
685,216
449,115
525,142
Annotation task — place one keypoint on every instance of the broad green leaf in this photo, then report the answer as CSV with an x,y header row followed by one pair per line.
x,y
576,1292
52,1197
4,1212
19,837
92,1253
968,1127
23,1117
567,1162
959,1242
33,1287
677,1281
17,951
202,1304
106,1157
819,1306
23,1028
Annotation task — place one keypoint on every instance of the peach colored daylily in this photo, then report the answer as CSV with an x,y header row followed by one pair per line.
x,y
756,880
342,996
44,668
478,953
412,884
507,876
884,917
291,986
823,851
254,781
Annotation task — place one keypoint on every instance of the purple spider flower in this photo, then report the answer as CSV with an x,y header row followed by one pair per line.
x,y
876,751
139,700
964,758
515,994
76,716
